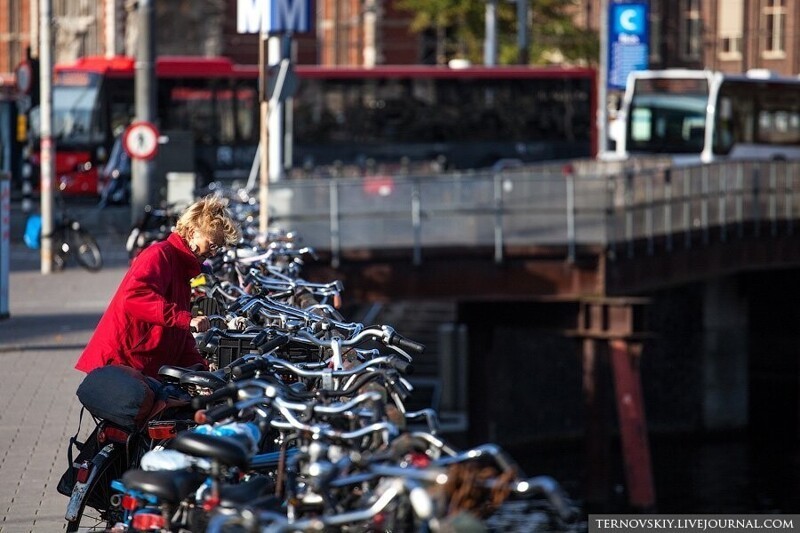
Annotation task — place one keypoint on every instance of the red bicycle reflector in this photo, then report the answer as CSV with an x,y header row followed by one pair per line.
x,y
210,503
146,521
113,434
419,460
379,520
162,430
83,472
129,503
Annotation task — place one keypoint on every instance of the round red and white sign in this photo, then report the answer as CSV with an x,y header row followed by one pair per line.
x,y
140,140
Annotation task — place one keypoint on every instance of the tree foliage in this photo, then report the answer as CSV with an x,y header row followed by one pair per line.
x,y
460,28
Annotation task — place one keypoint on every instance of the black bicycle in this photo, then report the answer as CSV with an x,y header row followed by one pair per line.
x,y
69,238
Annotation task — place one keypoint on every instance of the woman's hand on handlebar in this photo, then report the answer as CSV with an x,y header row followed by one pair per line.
x,y
199,324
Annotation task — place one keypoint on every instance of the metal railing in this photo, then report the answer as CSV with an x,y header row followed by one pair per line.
x,y
541,207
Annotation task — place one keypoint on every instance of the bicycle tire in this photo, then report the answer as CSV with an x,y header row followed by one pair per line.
x,y
86,250
95,512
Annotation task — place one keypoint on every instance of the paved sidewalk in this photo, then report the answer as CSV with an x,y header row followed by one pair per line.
x,y
51,319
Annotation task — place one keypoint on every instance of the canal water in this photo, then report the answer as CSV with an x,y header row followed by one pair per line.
x,y
720,473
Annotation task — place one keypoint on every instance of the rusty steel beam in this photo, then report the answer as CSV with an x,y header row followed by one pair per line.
x,y
611,329
633,425
461,274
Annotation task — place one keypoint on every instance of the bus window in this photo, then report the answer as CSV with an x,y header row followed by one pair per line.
x,y
246,103
192,109
226,116
641,124
667,123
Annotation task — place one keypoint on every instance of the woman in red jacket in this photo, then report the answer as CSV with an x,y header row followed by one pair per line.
x,y
147,324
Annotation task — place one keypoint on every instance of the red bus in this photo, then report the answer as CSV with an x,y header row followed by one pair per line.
x,y
457,118
93,101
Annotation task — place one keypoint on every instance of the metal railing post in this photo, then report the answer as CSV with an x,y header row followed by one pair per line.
x,y
687,209
416,221
723,204
704,193
756,200
788,178
668,208
628,196
648,216
570,184
773,198
333,190
498,219
611,230
740,199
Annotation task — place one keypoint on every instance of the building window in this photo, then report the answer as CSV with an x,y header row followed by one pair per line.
x,y
655,31
691,34
731,22
774,28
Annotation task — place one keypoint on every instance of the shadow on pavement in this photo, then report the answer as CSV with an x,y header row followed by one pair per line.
x,y
37,331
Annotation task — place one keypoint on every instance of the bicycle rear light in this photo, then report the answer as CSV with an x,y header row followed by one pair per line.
x,y
148,520
129,503
109,433
162,430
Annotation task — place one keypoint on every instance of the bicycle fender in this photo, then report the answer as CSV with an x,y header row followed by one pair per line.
x,y
80,490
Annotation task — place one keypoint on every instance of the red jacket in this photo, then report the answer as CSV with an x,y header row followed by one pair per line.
x,y
146,324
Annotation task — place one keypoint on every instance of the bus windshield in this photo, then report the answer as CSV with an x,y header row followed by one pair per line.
x,y
667,116
75,111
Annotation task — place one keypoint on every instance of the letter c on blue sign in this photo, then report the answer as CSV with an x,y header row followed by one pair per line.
x,y
629,19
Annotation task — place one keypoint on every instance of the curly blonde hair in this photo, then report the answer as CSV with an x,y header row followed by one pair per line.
x,y
208,215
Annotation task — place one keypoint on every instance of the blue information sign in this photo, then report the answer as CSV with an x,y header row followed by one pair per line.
x,y
629,39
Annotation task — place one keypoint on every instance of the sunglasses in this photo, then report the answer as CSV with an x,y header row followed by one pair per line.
x,y
214,247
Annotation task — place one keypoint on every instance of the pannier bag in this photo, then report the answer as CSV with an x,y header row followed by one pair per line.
x,y
119,394
86,450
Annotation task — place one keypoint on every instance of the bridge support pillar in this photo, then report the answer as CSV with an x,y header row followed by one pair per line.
x,y
612,330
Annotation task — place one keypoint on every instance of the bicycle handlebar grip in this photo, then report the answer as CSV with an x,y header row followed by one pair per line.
x,y
209,342
219,413
247,370
406,344
272,344
228,391
403,366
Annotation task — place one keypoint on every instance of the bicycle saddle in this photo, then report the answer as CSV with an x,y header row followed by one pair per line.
x,y
204,378
221,449
172,374
167,485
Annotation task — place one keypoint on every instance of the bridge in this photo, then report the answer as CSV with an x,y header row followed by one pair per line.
x,y
606,260
590,229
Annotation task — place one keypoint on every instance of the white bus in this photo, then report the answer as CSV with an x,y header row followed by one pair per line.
x,y
703,116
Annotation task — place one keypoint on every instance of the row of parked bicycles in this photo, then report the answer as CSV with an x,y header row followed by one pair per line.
x,y
303,426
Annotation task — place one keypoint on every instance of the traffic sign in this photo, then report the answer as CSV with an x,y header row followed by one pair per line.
x,y
140,140
629,40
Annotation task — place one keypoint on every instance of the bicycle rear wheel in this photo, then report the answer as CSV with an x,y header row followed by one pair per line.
x,y
95,512
86,250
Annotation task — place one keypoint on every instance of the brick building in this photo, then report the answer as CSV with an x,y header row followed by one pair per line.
x,y
726,35
348,32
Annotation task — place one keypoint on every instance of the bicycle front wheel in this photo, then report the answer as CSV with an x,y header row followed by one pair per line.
x,y
86,250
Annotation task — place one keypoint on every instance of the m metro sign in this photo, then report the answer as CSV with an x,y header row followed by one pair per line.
x,y
273,16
